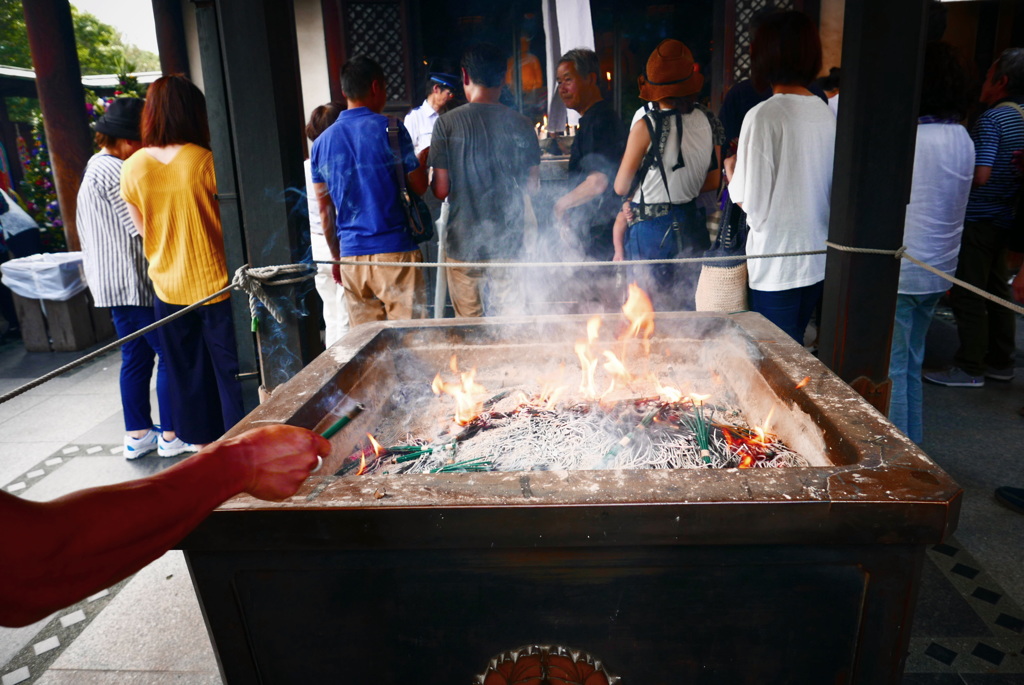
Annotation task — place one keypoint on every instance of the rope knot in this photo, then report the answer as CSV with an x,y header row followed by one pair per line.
x,y
251,281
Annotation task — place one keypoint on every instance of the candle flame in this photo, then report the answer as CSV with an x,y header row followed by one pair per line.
x,y
608,75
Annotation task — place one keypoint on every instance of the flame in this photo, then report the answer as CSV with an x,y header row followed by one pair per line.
x,y
746,461
377,451
545,122
698,399
768,419
803,383
588,365
614,366
608,75
667,392
467,392
640,312
760,435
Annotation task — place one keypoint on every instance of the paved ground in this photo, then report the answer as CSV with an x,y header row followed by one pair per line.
x,y
148,630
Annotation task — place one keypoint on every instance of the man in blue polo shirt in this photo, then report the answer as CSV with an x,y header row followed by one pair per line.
x,y
353,177
986,329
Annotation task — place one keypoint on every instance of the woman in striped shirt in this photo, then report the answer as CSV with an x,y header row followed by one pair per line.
x,y
115,269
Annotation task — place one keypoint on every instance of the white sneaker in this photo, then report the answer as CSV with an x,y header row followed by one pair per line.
x,y
174,447
139,447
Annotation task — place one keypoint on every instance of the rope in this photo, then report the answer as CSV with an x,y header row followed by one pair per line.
x,y
250,280
564,265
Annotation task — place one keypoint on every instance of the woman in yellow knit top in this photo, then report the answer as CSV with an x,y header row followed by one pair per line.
x,y
170,189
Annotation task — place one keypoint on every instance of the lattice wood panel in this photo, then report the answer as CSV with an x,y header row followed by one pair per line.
x,y
745,11
375,30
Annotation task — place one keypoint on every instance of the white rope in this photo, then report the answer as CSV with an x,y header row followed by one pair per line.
x,y
252,280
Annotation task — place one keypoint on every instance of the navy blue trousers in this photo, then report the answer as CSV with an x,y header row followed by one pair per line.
x,y
206,397
790,310
137,357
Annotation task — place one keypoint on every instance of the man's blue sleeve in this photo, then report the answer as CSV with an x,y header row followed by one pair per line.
x,y
986,140
408,153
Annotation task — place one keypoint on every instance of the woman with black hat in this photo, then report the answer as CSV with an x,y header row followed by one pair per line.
x,y
669,160
115,269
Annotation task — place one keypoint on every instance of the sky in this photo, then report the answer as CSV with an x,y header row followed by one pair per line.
x,y
133,18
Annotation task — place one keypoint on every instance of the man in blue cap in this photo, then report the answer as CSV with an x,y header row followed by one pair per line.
x,y
441,87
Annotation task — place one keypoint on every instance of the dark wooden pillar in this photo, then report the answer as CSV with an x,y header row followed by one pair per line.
x,y
882,56
250,68
51,38
170,37
334,38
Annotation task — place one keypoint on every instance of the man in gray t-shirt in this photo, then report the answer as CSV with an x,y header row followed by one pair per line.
x,y
485,158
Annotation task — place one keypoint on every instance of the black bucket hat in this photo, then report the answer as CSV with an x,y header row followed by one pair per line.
x,y
121,120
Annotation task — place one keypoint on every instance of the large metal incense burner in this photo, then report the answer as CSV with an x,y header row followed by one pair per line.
x,y
698,575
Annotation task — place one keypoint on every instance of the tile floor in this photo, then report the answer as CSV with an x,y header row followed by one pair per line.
x,y
148,629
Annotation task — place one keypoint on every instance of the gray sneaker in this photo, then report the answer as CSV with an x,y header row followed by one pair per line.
x,y
1000,374
955,378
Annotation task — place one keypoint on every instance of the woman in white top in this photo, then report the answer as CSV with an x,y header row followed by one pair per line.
x,y
943,171
333,295
670,159
783,173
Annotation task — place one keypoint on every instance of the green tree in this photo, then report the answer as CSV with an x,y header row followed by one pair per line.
x,y
101,49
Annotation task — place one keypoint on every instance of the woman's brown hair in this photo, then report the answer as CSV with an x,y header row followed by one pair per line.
x,y
786,50
175,114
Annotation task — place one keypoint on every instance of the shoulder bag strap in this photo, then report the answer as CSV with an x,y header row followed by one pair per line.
x,y
398,167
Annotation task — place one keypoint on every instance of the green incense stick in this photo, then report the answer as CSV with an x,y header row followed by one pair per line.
x,y
343,421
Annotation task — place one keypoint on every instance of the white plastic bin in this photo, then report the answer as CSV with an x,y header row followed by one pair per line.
x,y
55,277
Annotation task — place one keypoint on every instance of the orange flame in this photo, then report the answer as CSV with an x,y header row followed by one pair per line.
x,y
640,312
698,399
614,366
588,367
377,451
667,392
468,403
593,326
746,461
803,383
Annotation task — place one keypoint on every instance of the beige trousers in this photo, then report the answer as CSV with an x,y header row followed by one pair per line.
x,y
484,292
379,293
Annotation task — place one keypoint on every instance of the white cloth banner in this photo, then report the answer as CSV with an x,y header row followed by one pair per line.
x,y
567,25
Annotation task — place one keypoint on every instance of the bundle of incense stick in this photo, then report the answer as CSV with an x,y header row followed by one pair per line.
x,y
521,433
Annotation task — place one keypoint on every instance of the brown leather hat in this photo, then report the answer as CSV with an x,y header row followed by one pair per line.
x,y
670,73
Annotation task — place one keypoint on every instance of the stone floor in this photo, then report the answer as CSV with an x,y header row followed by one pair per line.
x,y
148,629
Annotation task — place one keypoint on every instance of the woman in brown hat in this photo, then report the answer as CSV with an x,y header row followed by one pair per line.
x,y
670,158
783,173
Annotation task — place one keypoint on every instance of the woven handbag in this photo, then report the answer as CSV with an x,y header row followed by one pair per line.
x,y
722,286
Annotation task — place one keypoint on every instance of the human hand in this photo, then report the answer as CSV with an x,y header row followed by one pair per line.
x,y
619,256
336,273
275,459
730,166
627,211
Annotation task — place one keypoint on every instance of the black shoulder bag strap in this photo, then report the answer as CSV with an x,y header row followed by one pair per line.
x,y
398,167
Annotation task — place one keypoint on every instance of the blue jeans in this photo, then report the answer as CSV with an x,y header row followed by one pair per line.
x,y
670,286
790,310
913,317
137,369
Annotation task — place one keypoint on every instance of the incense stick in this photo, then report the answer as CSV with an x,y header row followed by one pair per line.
x,y
343,421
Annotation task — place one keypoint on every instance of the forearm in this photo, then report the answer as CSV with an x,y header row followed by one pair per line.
x,y
591,187
90,539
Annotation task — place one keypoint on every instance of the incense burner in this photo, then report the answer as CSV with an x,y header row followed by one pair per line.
x,y
804,574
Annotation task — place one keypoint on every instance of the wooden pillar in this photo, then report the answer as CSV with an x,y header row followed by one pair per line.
x,y
334,38
51,38
170,37
877,128
249,51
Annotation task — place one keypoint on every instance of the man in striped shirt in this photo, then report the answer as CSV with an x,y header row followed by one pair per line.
x,y
987,330
115,270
